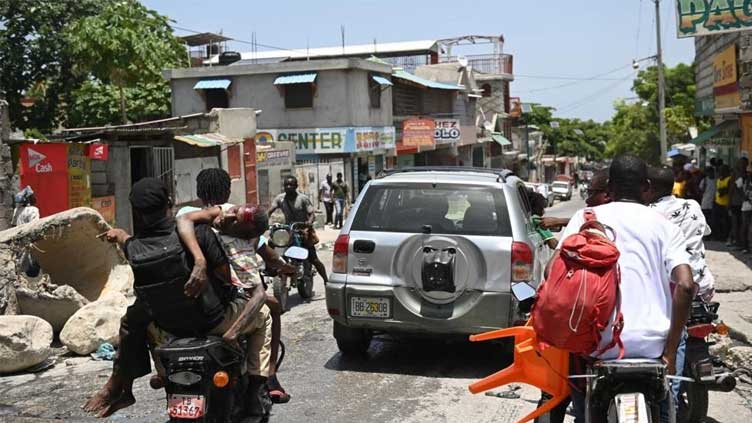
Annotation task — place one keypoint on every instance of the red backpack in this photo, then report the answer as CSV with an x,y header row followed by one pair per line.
x,y
581,293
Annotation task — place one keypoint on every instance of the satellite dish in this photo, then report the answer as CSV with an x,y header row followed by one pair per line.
x,y
462,61
488,126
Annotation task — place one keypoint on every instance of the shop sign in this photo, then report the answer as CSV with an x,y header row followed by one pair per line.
x,y
418,132
98,151
725,86
79,177
269,158
704,17
447,131
722,142
331,140
106,207
374,138
44,167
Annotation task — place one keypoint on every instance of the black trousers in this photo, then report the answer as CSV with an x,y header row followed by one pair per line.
x,y
132,357
329,206
721,222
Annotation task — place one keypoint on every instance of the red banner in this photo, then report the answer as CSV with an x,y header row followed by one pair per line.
x,y
44,167
98,151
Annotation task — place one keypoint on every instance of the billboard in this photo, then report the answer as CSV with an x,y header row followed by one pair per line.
x,y
332,140
44,167
418,132
725,86
704,17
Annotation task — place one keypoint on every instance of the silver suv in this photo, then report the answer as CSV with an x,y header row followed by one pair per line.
x,y
433,251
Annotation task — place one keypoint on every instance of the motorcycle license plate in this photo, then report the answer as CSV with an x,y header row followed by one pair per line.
x,y
185,406
374,307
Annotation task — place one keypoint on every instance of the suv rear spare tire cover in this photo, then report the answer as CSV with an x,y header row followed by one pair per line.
x,y
468,263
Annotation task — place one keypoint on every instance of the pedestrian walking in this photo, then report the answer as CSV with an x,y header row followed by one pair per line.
x,y
707,186
736,198
325,194
340,193
721,203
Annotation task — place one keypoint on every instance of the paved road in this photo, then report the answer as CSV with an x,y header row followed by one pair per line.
x,y
398,381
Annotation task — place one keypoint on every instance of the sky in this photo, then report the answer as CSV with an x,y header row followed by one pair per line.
x,y
556,43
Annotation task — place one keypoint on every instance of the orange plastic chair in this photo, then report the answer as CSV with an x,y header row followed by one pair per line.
x,y
545,369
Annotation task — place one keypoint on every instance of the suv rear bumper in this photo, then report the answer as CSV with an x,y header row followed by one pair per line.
x,y
490,311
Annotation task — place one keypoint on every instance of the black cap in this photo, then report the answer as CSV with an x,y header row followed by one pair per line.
x,y
149,195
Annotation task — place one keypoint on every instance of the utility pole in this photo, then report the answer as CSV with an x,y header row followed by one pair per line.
x,y
661,83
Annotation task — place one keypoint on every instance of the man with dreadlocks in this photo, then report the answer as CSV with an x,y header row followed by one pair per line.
x,y
213,188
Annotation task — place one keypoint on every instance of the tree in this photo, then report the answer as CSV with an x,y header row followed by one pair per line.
x,y
34,59
633,129
96,103
125,45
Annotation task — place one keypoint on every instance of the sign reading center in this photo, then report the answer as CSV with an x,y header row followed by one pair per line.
x,y
332,140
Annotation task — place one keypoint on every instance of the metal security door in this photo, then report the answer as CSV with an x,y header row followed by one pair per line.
x,y
164,167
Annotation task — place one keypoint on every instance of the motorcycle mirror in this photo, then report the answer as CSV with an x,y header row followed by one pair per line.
x,y
296,253
523,291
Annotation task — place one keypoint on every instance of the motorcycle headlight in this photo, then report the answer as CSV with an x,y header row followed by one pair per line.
x,y
281,237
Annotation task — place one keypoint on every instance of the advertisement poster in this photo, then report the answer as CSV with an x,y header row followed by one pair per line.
x,y
79,176
418,132
704,17
44,167
106,207
725,86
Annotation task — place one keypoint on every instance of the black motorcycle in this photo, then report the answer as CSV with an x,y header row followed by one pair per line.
x,y
706,371
205,382
290,240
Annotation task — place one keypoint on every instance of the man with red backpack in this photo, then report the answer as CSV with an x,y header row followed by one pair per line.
x,y
649,262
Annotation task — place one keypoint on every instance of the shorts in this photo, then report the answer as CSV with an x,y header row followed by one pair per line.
x,y
258,334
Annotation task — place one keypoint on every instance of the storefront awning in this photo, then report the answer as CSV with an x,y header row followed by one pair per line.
x,y
212,84
212,139
500,139
704,136
381,80
301,78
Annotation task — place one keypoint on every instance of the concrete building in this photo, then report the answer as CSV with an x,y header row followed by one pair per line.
x,y
174,150
337,112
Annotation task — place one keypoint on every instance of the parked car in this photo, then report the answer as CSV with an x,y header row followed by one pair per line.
x,y
433,251
562,190
543,189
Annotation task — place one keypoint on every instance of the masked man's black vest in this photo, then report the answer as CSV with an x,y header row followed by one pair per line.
x,y
161,269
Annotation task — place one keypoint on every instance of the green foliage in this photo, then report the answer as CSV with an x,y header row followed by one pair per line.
x,y
565,140
96,103
128,46
33,53
633,129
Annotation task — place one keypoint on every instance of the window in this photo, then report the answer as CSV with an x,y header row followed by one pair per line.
x,y
374,92
298,96
216,98
486,90
448,209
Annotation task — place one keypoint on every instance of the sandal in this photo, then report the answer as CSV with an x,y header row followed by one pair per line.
x,y
279,396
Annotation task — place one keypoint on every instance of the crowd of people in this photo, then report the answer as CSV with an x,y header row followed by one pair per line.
x,y
724,194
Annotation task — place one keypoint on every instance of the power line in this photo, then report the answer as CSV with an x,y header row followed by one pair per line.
x,y
569,84
582,101
639,25
238,40
564,78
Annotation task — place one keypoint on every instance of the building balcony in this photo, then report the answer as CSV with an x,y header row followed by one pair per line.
x,y
499,64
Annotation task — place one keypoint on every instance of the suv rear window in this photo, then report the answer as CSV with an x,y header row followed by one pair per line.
x,y
448,209
560,185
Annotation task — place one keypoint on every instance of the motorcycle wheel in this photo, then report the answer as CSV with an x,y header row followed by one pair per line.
x,y
693,402
305,283
281,291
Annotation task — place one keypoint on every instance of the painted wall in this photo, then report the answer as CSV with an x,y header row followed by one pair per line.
x,y
186,171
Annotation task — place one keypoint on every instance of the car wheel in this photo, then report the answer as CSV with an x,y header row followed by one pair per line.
x,y
351,341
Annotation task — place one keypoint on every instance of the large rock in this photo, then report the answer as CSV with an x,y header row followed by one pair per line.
x,y
94,324
721,345
24,342
739,358
55,304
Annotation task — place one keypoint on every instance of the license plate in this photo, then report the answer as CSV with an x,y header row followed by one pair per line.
x,y
185,406
376,307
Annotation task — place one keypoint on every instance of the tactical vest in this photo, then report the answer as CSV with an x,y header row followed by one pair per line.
x,y
161,269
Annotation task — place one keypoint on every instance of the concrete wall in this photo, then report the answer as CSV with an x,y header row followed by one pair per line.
x,y
119,171
186,171
341,99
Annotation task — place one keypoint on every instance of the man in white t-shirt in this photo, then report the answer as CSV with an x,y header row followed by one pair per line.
x,y
652,255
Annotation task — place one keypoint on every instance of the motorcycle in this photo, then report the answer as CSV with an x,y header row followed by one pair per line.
x,y
583,190
707,372
205,382
290,239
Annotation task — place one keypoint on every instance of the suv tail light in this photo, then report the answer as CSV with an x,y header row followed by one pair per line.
x,y
522,262
341,248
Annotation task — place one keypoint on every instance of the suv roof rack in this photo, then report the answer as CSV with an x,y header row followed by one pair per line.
x,y
502,174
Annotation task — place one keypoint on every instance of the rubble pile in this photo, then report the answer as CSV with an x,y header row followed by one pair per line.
x,y
83,290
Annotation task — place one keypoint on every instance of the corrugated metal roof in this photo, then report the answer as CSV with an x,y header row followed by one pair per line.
x,y
425,82
301,78
354,50
211,139
500,139
381,80
212,84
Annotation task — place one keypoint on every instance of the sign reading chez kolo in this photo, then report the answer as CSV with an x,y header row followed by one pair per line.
x,y
705,17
